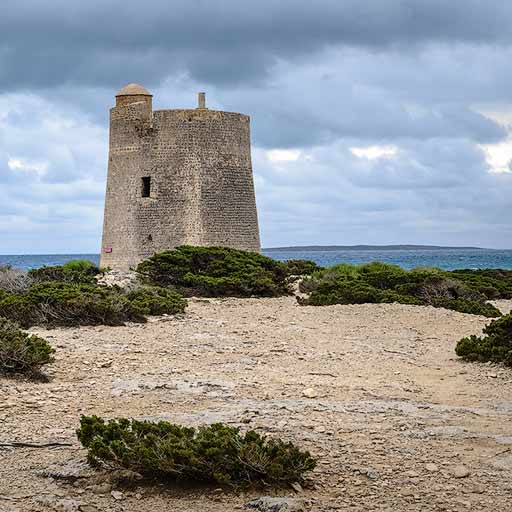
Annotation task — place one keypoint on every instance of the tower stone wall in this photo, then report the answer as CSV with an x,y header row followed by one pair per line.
x,y
176,177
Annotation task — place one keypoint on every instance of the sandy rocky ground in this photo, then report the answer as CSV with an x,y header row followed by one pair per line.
x,y
376,392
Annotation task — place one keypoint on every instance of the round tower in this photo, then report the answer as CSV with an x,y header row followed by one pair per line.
x,y
175,177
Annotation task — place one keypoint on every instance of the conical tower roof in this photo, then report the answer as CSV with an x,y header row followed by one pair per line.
x,y
133,90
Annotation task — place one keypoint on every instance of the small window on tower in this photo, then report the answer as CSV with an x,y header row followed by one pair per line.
x,y
146,186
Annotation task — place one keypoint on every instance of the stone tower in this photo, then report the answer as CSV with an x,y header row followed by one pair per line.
x,y
176,177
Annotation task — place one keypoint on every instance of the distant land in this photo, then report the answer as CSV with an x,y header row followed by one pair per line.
x,y
372,248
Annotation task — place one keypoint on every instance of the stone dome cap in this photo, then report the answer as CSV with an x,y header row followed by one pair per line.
x,y
133,90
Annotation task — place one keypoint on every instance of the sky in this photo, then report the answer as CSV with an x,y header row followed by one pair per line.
x,y
373,122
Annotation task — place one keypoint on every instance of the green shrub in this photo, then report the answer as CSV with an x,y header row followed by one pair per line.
x,y
344,291
495,345
301,267
493,283
216,453
468,306
382,275
215,272
68,304
84,266
155,300
380,282
328,275
342,270
356,292
21,352
75,271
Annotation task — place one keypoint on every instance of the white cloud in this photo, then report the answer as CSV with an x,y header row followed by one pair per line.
x,y
499,156
283,155
20,164
374,152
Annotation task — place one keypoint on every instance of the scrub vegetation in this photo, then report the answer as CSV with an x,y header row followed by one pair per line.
x,y
463,291
217,453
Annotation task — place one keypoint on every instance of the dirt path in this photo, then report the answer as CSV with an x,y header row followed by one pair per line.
x,y
397,421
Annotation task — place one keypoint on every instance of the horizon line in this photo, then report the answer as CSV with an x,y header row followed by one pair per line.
x,y
307,247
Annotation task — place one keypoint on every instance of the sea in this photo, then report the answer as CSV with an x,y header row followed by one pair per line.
x,y
448,259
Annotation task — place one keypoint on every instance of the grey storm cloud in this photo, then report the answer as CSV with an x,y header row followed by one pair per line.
x,y
318,78
45,44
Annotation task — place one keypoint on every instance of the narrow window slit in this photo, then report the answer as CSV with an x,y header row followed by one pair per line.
x,y
146,186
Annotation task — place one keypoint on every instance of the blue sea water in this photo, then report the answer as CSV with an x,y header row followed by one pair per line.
x,y
447,259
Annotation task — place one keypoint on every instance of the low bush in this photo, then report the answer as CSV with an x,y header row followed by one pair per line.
x,y
216,272
379,282
355,292
383,275
493,283
343,292
75,271
21,352
69,295
14,280
155,300
495,345
470,307
69,304
217,453
301,267
83,266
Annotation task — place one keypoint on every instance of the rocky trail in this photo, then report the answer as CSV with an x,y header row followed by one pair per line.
x,y
375,392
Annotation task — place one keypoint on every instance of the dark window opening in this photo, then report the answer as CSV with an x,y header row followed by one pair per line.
x,y
146,186
150,238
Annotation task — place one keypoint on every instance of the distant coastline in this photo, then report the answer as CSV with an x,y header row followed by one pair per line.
x,y
321,248
406,247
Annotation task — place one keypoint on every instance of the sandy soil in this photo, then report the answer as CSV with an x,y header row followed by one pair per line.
x,y
397,421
